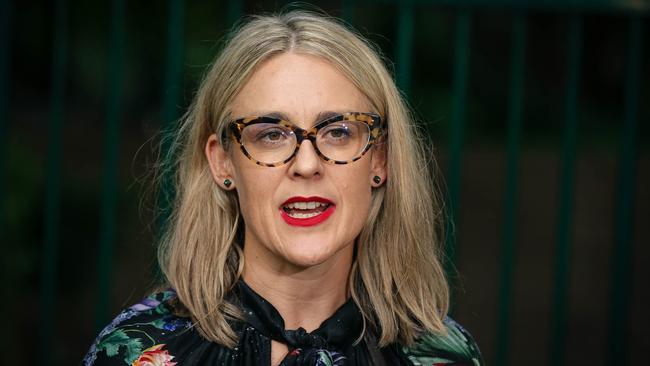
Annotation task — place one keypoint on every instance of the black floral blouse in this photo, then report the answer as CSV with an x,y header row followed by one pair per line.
x,y
149,334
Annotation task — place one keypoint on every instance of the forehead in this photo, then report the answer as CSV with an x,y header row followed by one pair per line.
x,y
300,87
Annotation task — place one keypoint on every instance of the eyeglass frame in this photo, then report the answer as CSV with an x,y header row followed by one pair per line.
x,y
372,120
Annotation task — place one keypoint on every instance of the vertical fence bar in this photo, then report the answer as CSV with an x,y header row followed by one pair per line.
x,y
404,44
111,148
171,99
5,61
173,62
347,10
565,213
235,10
515,111
53,178
626,188
6,8
459,90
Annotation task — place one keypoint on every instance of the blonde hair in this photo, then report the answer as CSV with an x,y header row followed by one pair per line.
x,y
396,280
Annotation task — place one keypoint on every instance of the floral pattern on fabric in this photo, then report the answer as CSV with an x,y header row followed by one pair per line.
x,y
457,347
150,334
329,358
316,357
154,356
130,342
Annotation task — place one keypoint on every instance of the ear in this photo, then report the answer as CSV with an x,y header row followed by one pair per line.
x,y
378,166
220,162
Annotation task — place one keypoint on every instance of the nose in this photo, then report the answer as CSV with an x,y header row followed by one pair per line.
x,y
306,163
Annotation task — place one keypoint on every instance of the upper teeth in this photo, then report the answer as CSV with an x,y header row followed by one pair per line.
x,y
305,205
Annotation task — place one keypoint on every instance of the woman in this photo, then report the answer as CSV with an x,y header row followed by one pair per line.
x,y
304,227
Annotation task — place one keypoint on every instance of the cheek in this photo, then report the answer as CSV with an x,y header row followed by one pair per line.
x,y
255,197
356,190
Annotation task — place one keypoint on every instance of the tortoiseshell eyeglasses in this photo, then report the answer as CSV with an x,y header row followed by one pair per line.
x,y
340,139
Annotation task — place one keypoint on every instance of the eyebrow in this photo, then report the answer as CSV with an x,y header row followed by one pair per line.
x,y
321,116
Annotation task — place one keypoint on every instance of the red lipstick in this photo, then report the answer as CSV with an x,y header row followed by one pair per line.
x,y
322,213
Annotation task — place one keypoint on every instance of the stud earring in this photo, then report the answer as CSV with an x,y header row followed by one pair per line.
x,y
376,179
227,183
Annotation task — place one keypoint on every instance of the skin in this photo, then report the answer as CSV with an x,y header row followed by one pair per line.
x,y
302,271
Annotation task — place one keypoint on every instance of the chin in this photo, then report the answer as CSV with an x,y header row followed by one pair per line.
x,y
307,259
314,255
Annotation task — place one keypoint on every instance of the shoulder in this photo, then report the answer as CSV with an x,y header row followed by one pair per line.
x,y
139,331
457,347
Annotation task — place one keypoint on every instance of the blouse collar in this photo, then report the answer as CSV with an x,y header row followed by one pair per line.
x,y
339,331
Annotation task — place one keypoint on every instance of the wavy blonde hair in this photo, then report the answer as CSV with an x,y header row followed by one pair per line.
x,y
396,280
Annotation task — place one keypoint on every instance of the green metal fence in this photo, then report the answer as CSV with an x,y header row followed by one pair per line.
x,y
635,13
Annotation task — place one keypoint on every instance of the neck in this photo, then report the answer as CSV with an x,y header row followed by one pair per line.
x,y
304,297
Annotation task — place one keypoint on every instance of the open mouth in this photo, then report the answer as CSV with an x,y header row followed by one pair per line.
x,y
306,211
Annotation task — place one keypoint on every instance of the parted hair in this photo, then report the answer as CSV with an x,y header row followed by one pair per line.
x,y
397,278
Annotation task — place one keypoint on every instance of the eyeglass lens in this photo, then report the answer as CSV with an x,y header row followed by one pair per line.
x,y
272,143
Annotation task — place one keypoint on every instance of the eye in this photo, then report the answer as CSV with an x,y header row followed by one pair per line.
x,y
272,135
336,131
266,134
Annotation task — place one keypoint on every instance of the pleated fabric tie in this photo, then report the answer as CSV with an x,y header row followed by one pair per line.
x,y
324,346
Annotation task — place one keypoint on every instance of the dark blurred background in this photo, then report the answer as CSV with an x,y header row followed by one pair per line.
x,y
538,112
